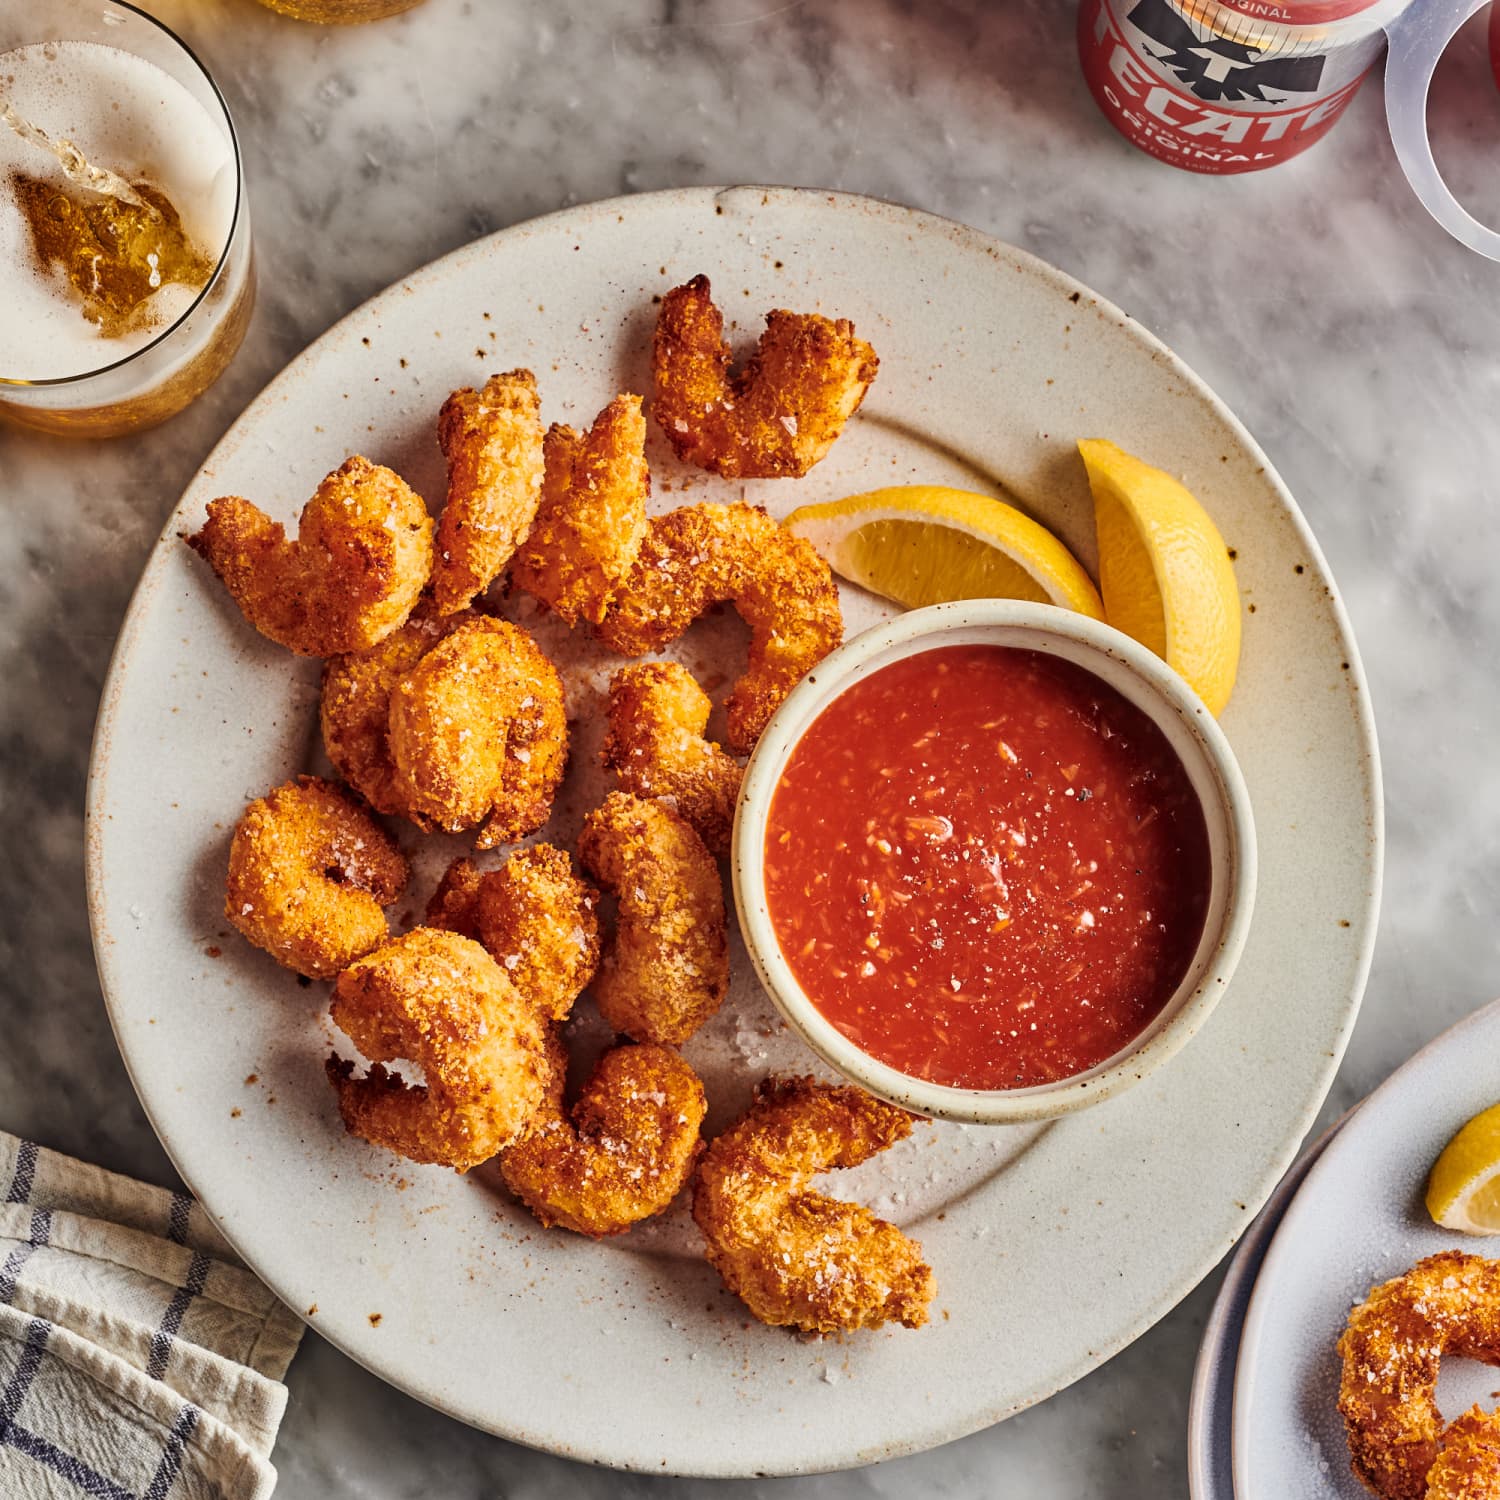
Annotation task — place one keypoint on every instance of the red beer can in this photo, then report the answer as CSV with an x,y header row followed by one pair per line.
x,y
1227,86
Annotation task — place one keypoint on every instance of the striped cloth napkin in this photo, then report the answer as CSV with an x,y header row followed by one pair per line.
x,y
139,1359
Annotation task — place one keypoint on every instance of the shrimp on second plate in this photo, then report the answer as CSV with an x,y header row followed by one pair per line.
x,y
666,970
492,441
795,1257
785,409
535,917
310,873
624,1150
703,555
351,576
478,733
656,746
592,519
1468,1465
440,1000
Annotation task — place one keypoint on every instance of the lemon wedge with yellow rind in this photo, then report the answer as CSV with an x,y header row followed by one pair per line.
x,y
924,544
1463,1192
1164,571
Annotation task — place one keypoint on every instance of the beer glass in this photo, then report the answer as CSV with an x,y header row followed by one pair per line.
x,y
340,12
116,84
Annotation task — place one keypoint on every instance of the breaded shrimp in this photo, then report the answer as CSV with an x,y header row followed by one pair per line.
x,y
704,554
592,519
1446,1304
667,969
535,917
478,733
785,409
355,708
310,872
796,1257
442,1001
361,558
657,715
492,440
621,1154
1468,1465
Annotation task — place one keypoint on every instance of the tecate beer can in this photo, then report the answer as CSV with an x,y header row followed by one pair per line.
x,y
1229,85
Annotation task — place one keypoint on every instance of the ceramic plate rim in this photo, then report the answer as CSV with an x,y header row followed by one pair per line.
x,y
930,1430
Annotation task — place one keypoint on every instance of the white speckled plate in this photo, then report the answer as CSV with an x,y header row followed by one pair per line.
x,y
1357,1220
1053,1247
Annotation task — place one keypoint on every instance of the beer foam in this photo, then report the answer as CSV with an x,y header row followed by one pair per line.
x,y
126,114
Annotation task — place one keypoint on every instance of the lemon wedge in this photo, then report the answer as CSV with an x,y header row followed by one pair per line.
x,y
1164,570
925,544
1463,1192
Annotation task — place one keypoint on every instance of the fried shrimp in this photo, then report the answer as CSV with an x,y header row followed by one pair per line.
x,y
667,969
535,917
360,560
706,554
478,733
492,440
443,1002
796,1257
624,1150
1446,1304
592,519
310,873
1468,1467
355,708
785,409
657,715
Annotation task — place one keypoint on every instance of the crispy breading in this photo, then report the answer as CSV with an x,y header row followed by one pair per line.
x,y
536,918
621,1154
355,707
1448,1303
795,1257
781,413
592,519
666,970
478,733
492,440
310,873
703,555
1468,1465
352,575
441,1001
656,746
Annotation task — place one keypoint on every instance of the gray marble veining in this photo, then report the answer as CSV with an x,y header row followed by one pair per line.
x,y
1360,346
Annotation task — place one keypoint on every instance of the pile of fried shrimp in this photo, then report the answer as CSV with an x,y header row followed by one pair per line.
x,y
439,714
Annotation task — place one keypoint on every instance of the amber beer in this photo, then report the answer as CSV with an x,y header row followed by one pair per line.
x,y
124,240
340,12
1226,86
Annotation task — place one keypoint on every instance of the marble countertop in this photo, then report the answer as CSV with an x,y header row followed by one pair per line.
x,y
1361,347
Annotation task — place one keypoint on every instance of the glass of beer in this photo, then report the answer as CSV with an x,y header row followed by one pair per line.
x,y
124,225
340,12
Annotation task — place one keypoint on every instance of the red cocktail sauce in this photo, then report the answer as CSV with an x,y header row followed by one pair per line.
x,y
986,867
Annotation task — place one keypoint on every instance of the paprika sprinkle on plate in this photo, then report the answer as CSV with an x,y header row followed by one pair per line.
x,y
986,868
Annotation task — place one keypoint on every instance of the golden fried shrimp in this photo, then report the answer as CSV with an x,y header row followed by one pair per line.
x,y
621,1154
1468,1467
796,1257
535,917
667,969
478,733
359,562
443,1002
1446,1304
657,715
355,707
492,440
592,519
705,554
781,413
310,873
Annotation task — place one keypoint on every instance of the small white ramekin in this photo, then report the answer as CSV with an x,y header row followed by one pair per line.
x,y
1144,680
